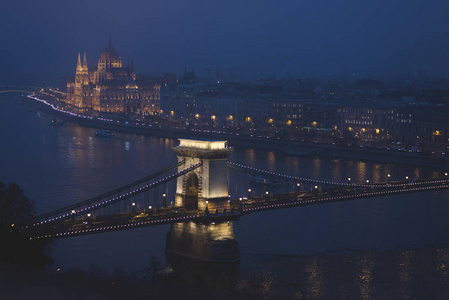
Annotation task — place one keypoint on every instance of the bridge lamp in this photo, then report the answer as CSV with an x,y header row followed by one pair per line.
x,y
150,207
249,190
133,204
240,198
266,193
406,177
298,184
316,186
207,202
445,174
349,179
73,211
163,195
388,175
367,181
89,215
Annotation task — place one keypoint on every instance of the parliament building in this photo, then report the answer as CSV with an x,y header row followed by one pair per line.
x,y
110,87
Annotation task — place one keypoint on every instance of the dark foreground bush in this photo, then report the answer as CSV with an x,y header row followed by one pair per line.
x,y
16,211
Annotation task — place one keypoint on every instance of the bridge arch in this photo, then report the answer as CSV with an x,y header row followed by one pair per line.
x,y
191,188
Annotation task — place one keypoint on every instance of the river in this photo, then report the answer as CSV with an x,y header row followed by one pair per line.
x,y
302,248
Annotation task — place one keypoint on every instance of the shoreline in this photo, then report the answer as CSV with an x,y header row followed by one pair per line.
x,y
292,148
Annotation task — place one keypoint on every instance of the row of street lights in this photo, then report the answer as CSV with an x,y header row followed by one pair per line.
x,y
388,176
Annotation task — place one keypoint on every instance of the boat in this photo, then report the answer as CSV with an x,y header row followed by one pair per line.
x,y
104,133
55,121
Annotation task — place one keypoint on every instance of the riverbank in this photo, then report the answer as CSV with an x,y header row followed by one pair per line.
x,y
289,147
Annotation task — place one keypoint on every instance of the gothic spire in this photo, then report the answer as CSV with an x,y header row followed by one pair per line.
x,y
78,65
85,61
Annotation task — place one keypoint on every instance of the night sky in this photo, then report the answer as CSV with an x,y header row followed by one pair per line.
x,y
377,38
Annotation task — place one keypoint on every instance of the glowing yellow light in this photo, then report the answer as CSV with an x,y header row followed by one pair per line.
x,y
248,119
289,122
230,118
212,117
437,132
350,128
197,116
314,123
88,215
270,120
172,112
363,129
377,130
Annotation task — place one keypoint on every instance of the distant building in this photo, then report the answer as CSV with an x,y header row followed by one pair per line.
x,y
111,88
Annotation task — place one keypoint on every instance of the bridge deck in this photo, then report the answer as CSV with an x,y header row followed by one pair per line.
x,y
73,227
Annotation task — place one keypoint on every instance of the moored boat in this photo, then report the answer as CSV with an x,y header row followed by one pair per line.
x,y
104,133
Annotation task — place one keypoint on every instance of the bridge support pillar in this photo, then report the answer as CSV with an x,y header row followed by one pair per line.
x,y
212,242
205,187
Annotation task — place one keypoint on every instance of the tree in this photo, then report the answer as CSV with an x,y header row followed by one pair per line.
x,y
16,210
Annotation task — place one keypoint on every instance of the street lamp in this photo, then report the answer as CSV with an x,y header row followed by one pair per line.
x,y
367,181
164,200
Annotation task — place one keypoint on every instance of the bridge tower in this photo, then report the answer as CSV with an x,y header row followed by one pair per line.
x,y
207,183
203,188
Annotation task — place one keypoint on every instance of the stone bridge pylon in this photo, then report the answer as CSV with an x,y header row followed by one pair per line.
x,y
204,187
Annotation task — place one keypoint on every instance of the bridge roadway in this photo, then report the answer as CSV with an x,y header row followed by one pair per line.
x,y
239,207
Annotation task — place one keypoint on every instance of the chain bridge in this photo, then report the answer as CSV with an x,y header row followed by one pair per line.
x,y
193,195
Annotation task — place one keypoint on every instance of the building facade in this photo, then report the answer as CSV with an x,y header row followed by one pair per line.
x,y
110,87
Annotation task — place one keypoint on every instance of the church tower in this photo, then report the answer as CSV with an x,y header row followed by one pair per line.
x,y
82,97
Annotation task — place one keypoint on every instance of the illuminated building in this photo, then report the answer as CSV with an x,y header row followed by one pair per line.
x,y
112,88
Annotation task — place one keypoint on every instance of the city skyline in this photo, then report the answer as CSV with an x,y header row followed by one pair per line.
x,y
270,39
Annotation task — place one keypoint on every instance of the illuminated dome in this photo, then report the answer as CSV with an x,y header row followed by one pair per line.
x,y
109,58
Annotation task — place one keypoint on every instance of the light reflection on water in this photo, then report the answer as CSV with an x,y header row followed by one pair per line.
x,y
57,166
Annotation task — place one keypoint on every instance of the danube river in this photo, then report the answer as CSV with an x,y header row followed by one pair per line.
x,y
356,249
